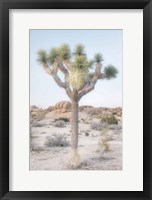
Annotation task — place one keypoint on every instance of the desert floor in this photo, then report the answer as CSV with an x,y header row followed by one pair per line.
x,y
48,156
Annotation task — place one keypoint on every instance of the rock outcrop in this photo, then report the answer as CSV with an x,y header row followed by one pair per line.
x,y
50,109
64,108
37,113
60,107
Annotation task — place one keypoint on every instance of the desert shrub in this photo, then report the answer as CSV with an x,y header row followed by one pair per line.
x,y
110,119
96,126
63,119
35,124
59,123
117,127
34,136
86,122
86,134
56,141
35,147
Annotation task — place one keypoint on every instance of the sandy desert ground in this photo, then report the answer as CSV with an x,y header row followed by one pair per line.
x,y
50,143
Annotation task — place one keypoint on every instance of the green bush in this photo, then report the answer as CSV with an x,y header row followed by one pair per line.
x,y
109,119
56,140
62,119
96,126
59,123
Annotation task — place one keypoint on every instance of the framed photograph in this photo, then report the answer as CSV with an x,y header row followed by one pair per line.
x,y
75,99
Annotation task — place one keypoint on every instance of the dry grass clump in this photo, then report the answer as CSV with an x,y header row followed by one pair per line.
x,y
56,140
104,140
109,119
74,162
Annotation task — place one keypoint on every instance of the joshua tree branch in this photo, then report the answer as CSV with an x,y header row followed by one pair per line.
x,y
47,69
54,75
66,73
56,78
63,69
90,87
67,88
68,64
61,66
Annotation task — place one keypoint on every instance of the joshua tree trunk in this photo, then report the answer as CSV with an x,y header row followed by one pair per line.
x,y
74,132
74,126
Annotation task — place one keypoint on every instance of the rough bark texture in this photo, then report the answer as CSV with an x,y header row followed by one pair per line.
x,y
74,126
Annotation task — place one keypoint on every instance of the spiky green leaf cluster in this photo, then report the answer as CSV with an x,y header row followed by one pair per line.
x,y
76,78
53,54
42,56
80,62
79,69
79,50
110,72
98,58
65,52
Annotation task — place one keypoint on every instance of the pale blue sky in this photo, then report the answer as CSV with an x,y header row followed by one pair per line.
x,y
107,93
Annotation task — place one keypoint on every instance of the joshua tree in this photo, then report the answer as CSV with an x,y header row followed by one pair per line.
x,y
80,78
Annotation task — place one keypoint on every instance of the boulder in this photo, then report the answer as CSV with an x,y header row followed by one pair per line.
x,y
60,107
50,108
37,113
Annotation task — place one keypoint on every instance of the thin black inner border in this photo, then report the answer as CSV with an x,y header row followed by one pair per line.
x,y
57,86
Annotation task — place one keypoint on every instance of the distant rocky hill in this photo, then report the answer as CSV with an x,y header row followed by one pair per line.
x,y
100,110
63,108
